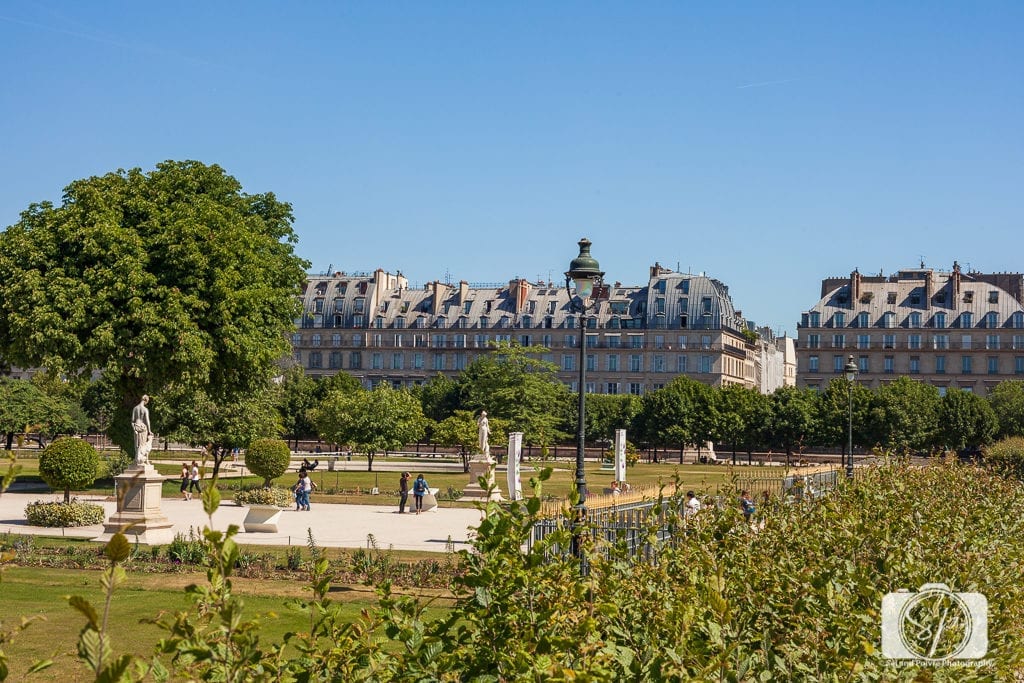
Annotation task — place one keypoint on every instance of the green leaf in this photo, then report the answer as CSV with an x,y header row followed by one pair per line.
x,y
83,606
117,549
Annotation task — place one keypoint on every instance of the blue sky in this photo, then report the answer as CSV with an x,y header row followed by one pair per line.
x,y
767,144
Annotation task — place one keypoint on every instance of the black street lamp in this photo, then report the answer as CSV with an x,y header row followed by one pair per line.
x,y
585,273
851,374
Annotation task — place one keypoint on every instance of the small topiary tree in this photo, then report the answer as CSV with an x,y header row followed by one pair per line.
x,y
67,464
268,458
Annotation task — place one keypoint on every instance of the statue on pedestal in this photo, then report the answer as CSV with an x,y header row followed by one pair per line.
x,y
143,432
482,433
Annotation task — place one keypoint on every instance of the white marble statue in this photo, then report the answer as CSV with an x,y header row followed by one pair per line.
x,y
482,433
143,432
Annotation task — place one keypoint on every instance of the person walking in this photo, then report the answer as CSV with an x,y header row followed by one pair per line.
x,y
308,486
747,505
692,504
419,489
403,492
185,476
299,492
193,482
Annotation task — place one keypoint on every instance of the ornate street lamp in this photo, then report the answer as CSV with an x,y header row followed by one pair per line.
x,y
587,276
851,374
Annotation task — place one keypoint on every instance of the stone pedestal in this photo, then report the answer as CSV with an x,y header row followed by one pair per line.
x,y
261,518
138,508
481,467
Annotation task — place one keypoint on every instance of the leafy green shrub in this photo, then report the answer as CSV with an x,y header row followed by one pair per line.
x,y
69,463
268,458
1006,457
72,513
187,550
274,495
116,464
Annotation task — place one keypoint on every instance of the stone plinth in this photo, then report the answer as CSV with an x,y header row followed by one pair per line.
x,y
138,508
481,467
262,518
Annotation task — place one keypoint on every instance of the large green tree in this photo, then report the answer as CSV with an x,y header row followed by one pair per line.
x,y
384,419
1007,400
905,415
794,418
171,277
834,416
512,383
965,420
24,406
297,397
668,416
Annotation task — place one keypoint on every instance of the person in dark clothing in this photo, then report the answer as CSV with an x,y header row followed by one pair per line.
x,y
403,492
419,489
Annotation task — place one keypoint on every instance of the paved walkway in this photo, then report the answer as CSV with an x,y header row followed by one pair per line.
x,y
338,526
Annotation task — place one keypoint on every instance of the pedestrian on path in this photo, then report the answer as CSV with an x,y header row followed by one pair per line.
x,y
419,489
193,482
185,476
403,492
299,492
306,486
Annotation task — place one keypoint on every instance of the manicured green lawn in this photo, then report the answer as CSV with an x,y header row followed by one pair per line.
x,y
40,592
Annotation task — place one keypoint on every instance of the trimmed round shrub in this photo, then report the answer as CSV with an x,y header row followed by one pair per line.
x,y
268,458
72,513
1006,457
271,495
67,464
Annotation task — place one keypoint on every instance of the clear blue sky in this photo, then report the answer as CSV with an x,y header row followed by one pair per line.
x,y
767,144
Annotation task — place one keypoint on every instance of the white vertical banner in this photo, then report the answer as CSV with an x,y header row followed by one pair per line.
x,y
620,455
515,451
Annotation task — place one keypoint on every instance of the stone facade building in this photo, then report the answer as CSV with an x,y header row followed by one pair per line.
x,y
950,329
377,328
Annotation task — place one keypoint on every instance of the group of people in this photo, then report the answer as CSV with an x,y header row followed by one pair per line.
x,y
420,487
746,503
302,488
190,477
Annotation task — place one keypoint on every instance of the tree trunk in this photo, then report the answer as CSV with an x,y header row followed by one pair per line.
x,y
10,441
369,461
789,452
67,495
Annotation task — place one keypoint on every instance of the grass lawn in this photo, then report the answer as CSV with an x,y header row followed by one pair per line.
x,y
354,486
40,592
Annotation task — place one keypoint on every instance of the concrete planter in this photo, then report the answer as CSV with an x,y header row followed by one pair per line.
x,y
262,518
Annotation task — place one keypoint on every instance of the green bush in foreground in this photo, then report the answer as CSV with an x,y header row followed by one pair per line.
x,y
72,513
268,458
67,464
1006,457
796,600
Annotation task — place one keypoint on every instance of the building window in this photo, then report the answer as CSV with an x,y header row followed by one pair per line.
x,y
612,341
940,341
568,362
335,340
613,388
862,319
705,305
417,361
993,365
965,341
914,319
460,361
838,341
1018,341
993,296
889,341
377,361
1017,320
613,362
438,361
635,388
838,364
939,321
658,363
1018,365
705,341
296,339
315,341
839,319
480,340
890,298
863,365
812,364
680,364
992,341
889,320
863,341
459,341
636,363
992,320
965,364
439,341
967,319
814,319
334,360
681,341
397,361
914,341
813,341
355,360
940,365
705,364
889,365
915,365
636,341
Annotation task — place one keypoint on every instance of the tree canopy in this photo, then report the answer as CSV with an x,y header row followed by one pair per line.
x,y
174,276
